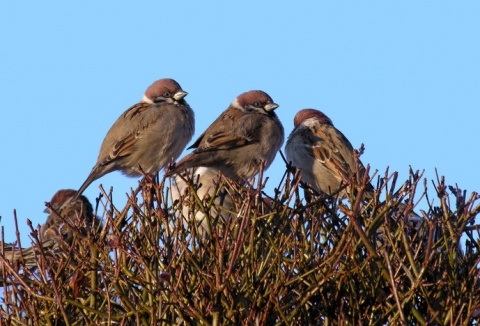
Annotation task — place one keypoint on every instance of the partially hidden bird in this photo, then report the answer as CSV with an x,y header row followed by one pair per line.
x,y
326,160
208,184
75,212
68,216
324,156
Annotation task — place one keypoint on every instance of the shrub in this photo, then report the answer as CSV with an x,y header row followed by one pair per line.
x,y
281,260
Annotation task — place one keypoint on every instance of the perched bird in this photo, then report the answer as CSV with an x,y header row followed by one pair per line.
x,y
57,232
246,134
323,154
206,182
149,135
326,158
75,212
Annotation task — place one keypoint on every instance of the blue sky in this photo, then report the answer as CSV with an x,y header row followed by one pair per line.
x,y
402,78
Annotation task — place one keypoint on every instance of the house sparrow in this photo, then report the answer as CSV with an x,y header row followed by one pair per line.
x,y
149,135
206,182
246,134
323,154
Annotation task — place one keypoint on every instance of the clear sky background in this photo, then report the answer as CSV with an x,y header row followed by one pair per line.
x,y
403,78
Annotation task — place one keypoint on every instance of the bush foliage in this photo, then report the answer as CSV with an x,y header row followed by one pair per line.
x,y
283,259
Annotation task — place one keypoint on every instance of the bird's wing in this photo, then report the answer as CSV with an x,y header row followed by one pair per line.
x,y
122,147
224,135
331,148
138,119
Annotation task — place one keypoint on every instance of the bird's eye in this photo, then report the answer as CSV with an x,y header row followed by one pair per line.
x,y
166,94
257,104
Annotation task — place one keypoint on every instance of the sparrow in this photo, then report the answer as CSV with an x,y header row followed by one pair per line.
x,y
247,134
326,160
324,156
57,232
206,182
75,212
148,136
